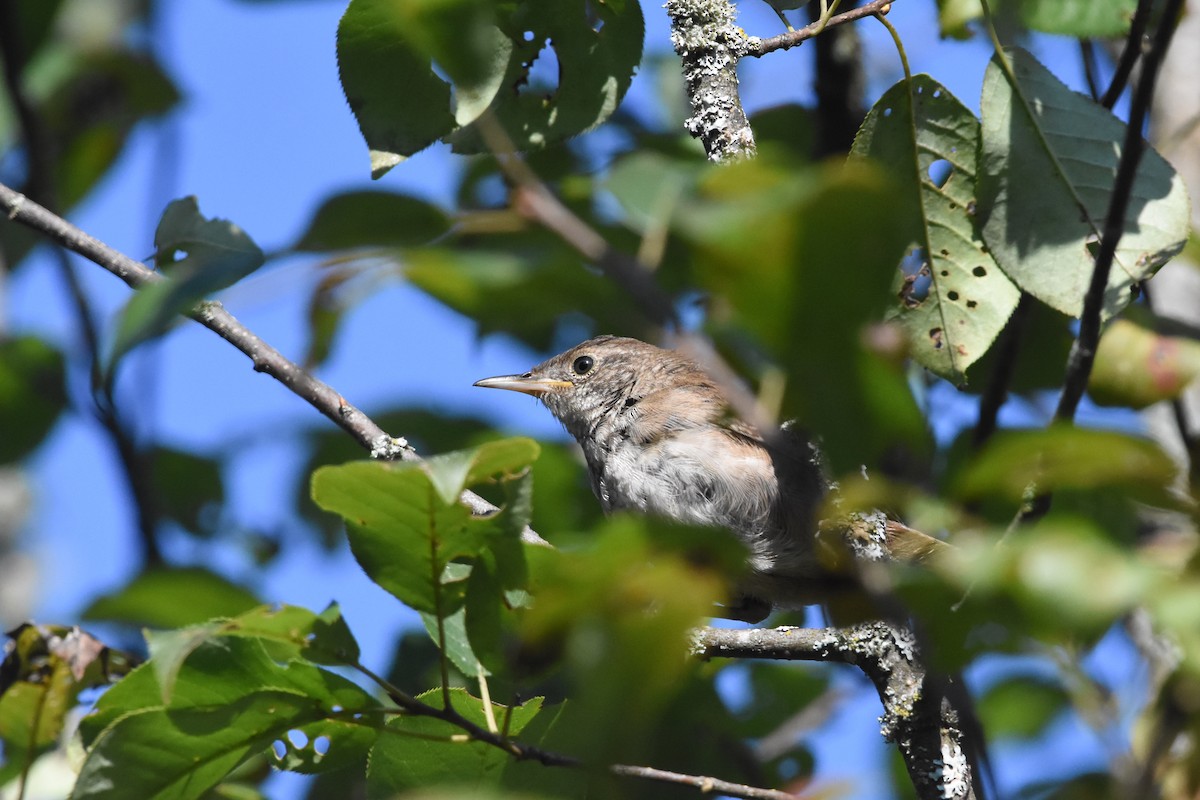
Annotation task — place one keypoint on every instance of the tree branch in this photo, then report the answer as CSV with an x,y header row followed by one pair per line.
x,y
1129,56
709,44
526,752
925,728
756,47
212,315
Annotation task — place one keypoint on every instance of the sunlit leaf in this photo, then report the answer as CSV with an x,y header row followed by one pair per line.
x,y
1066,457
404,526
620,612
1078,18
45,669
1048,164
817,285
231,702
953,300
1137,367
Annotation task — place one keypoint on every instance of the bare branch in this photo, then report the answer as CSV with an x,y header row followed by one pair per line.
x,y
212,315
703,783
925,728
756,47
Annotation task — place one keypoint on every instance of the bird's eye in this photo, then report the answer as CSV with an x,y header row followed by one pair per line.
x,y
582,365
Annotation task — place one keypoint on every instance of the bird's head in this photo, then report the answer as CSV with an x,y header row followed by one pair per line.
x,y
600,377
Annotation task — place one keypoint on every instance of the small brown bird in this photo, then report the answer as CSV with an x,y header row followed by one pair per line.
x,y
659,437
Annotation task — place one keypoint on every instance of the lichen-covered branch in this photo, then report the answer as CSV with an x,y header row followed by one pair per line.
x,y
708,42
915,717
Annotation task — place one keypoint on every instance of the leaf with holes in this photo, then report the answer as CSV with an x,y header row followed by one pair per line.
x,y
231,701
424,755
1049,160
954,300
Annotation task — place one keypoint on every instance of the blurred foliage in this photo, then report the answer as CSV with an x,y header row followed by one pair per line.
x,y
822,283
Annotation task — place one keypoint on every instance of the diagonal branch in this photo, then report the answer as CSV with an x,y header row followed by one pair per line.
x,y
212,315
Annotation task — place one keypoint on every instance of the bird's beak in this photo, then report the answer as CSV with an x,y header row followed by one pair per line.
x,y
526,384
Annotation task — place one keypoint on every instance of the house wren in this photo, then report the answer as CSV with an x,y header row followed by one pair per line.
x,y
658,437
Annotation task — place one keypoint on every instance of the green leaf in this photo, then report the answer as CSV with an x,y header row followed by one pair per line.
x,y
217,254
458,645
1079,18
1060,579
624,665
231,701
923,134
422,755
373,219
171,597
1137,367
401,532
487,50
1076,18
1067,457
1022,706
525,287
32,394
295,632
398,116
1049,159
505,458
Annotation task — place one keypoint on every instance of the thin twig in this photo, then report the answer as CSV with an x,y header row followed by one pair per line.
x,y
703,783
1129,56
526,752
784,41
995,394
1087,54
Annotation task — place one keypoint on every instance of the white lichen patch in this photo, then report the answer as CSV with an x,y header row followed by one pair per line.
x,y
952,773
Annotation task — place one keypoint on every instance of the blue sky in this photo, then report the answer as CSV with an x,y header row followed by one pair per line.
x,y
262,135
